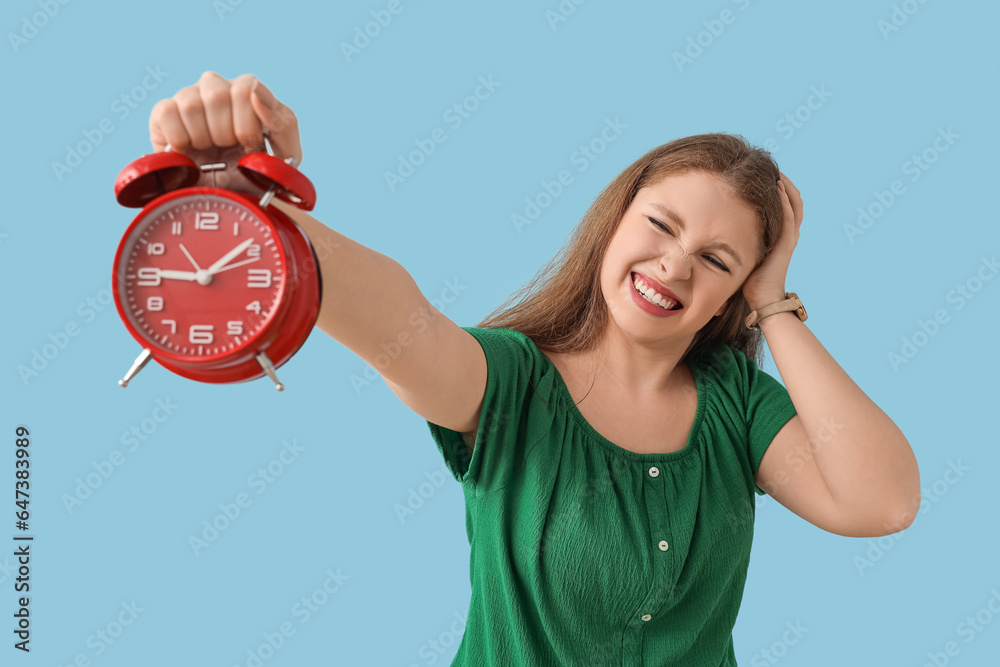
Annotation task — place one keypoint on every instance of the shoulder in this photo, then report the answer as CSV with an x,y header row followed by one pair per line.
x,y
505,346
725,365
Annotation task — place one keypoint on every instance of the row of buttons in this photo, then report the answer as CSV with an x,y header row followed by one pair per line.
x,y
655,472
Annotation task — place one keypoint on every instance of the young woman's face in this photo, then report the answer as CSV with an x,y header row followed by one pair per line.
x,y
702,258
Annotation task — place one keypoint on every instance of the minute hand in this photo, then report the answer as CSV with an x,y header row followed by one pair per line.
x,y
228,256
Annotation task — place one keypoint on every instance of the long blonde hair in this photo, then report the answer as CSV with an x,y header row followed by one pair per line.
x,y
548,308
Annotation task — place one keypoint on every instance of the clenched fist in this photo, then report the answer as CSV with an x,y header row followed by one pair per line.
x,y
218,120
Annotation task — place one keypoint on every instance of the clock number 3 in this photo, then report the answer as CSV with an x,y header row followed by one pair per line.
x,y
259,278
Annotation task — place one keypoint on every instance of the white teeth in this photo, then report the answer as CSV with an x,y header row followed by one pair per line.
x,y
652,295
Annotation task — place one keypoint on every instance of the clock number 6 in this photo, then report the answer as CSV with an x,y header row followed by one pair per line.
x,y
201,334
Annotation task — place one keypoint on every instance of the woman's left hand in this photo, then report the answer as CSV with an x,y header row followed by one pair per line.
x,y
767,283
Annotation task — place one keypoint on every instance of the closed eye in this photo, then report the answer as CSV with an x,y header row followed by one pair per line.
x,y
710,258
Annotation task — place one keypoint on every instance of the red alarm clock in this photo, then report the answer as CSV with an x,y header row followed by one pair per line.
x,y
216,285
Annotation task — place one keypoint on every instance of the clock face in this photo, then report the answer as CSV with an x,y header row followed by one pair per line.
x,y
200,276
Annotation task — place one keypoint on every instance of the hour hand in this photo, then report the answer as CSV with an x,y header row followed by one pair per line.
x,y
178,275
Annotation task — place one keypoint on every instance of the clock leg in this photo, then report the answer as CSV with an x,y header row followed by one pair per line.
x,y
137,366
268,367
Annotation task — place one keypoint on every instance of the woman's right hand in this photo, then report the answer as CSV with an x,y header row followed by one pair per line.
x,y
218,120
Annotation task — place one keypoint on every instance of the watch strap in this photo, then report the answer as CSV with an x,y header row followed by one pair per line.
x,y
791,303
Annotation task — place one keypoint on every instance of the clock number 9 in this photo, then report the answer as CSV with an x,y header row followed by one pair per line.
x,y
149,276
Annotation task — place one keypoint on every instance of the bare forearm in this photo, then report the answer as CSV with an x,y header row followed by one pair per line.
x,y
368,297
862,455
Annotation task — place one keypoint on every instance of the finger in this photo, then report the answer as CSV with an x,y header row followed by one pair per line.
x,y
246,124
192,114
789,186
280,121
216,99
166,127
790,194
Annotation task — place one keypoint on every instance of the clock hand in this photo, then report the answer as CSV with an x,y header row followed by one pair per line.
x,y
228,256
185,250
178,275
233,266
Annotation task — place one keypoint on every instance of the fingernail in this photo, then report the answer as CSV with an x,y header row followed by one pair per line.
x,y
265,95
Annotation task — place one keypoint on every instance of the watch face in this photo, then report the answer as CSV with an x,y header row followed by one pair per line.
x,y
200,276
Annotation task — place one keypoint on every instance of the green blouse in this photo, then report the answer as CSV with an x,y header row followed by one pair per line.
x,y
586,554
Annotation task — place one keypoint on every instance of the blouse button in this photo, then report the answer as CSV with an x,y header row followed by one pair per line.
x,y
654,471
646,617
663,545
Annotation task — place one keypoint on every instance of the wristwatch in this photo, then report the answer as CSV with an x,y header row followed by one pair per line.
x,y
791,302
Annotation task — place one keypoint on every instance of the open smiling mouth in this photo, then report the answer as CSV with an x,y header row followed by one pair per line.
x,y
652,296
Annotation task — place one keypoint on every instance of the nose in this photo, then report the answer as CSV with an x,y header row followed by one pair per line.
x,y
675,265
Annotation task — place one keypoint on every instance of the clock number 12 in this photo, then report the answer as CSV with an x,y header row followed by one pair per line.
x,y
208,220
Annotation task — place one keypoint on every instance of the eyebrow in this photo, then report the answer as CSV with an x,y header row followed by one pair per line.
x,y
680,223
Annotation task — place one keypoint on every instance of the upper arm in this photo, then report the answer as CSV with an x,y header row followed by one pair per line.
x,y
446,378
789,474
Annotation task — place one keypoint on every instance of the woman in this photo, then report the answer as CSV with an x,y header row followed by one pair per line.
x,y
609,424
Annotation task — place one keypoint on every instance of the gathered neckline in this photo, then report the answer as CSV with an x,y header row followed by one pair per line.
x,y
617,449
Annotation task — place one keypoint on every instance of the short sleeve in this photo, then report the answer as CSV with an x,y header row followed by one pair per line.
x,y
501,434
768,409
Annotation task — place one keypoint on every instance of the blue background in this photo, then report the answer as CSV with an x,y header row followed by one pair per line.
x,y
334,507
